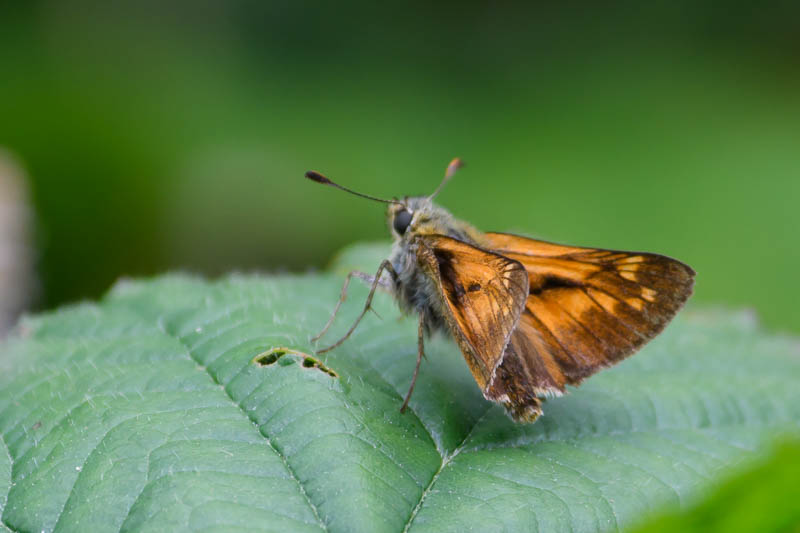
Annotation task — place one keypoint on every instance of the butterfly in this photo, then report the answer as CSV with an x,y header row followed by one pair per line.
x,y
529,316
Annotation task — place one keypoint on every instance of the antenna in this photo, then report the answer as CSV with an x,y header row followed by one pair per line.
x,y
319,178
454,165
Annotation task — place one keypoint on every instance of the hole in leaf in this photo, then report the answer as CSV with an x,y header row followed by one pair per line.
x,y
274,355
269,357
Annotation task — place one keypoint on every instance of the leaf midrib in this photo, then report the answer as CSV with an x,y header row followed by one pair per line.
x,y
445,461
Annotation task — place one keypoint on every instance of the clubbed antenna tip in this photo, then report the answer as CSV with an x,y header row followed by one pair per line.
x,y
454,165
319,178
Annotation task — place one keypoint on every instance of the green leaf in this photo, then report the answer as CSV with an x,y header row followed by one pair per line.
x,y
763,498
161,408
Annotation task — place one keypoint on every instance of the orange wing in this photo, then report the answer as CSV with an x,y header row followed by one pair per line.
x,y
483,295
586,309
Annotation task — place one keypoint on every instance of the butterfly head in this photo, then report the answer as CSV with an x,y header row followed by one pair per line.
x,y
418,215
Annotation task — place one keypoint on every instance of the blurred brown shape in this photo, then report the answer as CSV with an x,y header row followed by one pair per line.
x,y
16,265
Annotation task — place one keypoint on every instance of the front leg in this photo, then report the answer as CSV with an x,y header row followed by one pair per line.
x,y
343,296
385,266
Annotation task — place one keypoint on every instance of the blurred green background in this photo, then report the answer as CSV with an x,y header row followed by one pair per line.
x,y
174,135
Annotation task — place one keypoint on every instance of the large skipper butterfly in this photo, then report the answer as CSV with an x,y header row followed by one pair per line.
x,y
529,316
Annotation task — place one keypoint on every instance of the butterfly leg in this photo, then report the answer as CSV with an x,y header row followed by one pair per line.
x,y
342,297
376,281
420,355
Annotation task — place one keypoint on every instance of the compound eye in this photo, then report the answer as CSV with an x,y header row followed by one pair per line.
x,y
402,220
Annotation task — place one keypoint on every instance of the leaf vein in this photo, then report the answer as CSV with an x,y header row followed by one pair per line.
x,y
445,462
267,439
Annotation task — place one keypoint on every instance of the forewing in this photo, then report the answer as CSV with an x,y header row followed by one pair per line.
x,y
587,308
483,296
